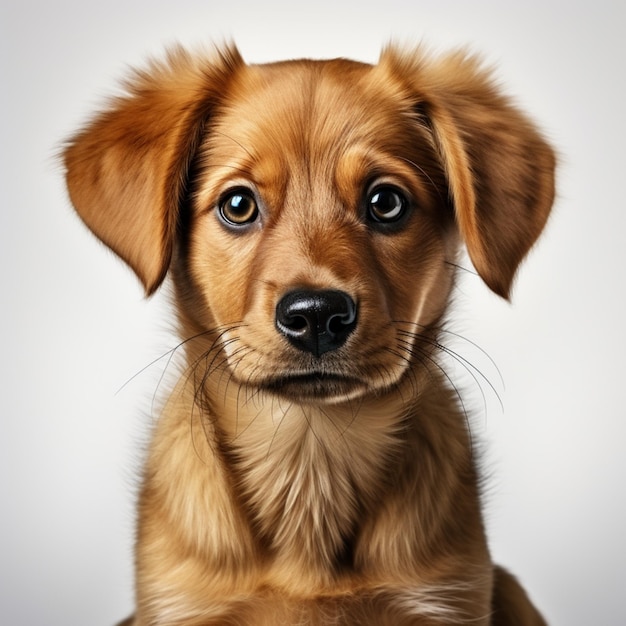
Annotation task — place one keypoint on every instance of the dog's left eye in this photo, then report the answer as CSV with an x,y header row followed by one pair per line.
x,y
386,204
238,208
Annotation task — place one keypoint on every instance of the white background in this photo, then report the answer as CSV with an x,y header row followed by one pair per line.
x,y
75,326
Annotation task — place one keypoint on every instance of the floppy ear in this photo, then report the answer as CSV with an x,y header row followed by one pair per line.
x,y
500,170
127,170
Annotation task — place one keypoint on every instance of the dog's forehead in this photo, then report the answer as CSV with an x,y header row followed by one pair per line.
x,y
306,107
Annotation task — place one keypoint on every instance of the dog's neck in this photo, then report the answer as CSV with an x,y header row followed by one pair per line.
x,y
307,475
307,472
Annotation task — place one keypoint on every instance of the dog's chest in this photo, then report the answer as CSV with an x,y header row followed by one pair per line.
x,y
306,474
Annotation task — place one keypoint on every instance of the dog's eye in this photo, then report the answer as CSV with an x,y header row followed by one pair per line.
x,y
238,208
386,204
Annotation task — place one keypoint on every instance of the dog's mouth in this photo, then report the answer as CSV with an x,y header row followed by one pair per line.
x,y
314,386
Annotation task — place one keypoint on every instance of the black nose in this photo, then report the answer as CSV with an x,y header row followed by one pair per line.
x,y
316,321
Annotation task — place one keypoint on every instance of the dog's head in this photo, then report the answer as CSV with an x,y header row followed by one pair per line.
x,y
311,211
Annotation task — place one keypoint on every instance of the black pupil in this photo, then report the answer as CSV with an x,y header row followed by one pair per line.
x,y
239,208
386,204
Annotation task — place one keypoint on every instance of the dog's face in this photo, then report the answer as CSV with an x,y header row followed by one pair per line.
x,y
327,201
322,238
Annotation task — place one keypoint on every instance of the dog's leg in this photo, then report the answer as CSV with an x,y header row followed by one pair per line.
x,y
510,603
129,621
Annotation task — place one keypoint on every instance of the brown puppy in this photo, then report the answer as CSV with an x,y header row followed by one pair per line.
x,y
313,465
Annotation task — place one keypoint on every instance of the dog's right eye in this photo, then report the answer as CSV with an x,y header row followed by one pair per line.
x,y
238,208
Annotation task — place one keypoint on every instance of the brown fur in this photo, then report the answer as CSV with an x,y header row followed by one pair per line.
x,y
282,486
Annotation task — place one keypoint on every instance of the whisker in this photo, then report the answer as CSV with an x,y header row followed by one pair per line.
x,y
467,365
481,350
169,353
217,132
275,433
355,413
340,432
248,425
440,330
461,267
384,372
215,346
467,369
421,354
311,429
426,175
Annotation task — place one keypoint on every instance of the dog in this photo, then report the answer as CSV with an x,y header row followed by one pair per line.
x,y
313,465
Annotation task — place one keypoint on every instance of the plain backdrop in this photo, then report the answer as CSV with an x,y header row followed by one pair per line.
x,y
76,328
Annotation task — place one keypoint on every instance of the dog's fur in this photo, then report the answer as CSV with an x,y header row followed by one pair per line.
x,y
330,482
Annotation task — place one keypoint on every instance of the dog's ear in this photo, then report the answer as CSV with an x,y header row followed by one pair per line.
x,y
500,170
127,170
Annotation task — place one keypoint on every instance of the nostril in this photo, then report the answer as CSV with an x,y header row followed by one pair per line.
x,y
296,322
338,323
316,321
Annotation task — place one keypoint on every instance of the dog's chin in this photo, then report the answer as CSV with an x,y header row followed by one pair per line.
x,y
315,387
